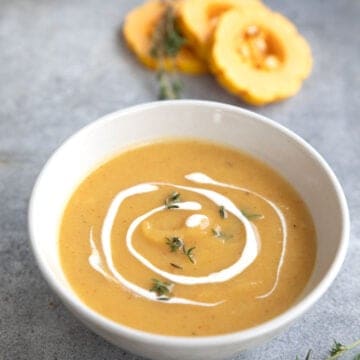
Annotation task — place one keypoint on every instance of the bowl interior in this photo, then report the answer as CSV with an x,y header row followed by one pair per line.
x,y
227,125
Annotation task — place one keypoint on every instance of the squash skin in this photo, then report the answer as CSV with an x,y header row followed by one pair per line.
x,y
197,23
258,86
137,31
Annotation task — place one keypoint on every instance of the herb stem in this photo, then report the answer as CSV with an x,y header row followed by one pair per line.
x,y
167,41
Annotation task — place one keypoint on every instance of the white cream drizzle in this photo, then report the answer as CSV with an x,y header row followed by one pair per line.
x,y
95,259
201,178
246,258
106,246
248,255
197,220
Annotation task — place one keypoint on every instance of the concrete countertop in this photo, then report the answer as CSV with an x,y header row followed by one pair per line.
x,y
63,64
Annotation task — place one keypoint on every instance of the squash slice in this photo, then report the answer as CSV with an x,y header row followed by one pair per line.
x,y
138,30
198,19
259,55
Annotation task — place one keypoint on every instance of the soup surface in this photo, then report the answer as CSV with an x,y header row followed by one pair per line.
x,y
184,237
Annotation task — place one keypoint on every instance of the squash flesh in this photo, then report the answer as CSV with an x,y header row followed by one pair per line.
x,y
138,29
198,19
258,84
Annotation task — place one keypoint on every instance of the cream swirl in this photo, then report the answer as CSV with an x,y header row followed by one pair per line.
x,y
204,179
246,258
197,220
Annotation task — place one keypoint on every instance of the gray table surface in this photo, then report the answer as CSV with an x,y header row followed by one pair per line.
x,y
63,64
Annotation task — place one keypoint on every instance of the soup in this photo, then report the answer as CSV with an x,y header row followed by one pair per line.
x,y
188,238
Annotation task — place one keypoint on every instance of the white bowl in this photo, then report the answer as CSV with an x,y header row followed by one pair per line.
x,y
284,151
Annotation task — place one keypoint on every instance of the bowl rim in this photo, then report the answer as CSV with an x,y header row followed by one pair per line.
x,y
91,316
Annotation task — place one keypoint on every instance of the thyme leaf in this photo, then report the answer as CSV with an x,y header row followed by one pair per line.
x,y
251,216
189,253
176,266
223,213
161,288
172,200
175,243
220,234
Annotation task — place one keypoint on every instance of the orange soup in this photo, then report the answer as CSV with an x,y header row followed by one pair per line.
x,y
188,238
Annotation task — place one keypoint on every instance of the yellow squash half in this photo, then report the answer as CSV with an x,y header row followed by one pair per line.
x,y
138,30
198,19
259,55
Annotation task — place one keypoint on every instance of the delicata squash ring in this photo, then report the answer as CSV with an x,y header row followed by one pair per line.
x,y
198,18
259,55
138,30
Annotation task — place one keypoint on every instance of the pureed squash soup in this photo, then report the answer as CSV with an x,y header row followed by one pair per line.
x,y
188,238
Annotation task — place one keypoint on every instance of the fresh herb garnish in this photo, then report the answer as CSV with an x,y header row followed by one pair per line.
x,y
189,253
220,234
172,200
223,213
338,349
251,216
169,88
167,41
176,266
175,243
161,288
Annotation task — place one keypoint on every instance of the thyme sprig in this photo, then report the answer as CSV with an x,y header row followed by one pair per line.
x,y
175,243
166,43
172,200
161,288
338,349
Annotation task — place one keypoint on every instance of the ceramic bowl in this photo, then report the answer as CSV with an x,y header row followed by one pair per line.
x,y
283,150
